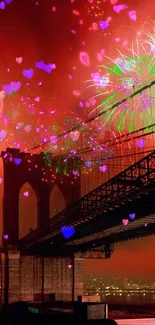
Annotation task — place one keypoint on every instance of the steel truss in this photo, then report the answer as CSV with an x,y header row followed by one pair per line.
x,y
136,179
100,253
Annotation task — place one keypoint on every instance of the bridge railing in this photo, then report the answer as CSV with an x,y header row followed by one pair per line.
x,y
133,178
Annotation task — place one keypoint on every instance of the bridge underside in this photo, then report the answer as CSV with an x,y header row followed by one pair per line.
x,y
99,217
105,230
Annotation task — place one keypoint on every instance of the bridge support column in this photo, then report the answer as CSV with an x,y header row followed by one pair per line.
x,y
22,277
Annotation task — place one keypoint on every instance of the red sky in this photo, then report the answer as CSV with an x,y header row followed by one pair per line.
x,y
135,258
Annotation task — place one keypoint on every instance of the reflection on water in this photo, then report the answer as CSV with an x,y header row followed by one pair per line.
x,y
130,299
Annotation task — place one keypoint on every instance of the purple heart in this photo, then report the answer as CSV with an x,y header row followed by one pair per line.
x,y
15,86
17,161
67,231
88,163
140,143
103,24
6,237
2,5
47,68
28,73
75,172
8,1
40,65
132,216
7,89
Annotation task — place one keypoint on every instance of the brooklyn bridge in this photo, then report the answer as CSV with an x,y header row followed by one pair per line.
x,y
96,210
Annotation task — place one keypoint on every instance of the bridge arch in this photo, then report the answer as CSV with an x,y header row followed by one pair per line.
x,y
28,214
25,169
57,201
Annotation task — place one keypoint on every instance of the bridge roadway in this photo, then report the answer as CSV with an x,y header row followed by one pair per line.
x,y
98,216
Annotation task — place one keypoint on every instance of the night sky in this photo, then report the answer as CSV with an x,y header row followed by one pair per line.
x,y
50,31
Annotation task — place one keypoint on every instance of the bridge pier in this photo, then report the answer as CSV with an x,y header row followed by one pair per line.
x,y
33,278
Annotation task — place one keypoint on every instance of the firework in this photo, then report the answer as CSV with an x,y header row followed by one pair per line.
x,y
123,77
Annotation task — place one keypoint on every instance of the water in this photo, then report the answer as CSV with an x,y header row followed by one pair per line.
x,y
148,299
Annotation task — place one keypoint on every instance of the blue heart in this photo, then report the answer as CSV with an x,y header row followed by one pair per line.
x,y
67,231
28,73
88,163
17,161
132,216
40,65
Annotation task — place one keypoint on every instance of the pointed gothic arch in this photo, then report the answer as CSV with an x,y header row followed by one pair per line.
x,y
57,201
28,220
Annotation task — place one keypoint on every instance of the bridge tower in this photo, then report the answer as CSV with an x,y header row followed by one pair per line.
x,y
24,276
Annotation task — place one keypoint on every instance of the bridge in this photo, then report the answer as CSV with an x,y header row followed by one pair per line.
x,y
44,263
41,263
118,210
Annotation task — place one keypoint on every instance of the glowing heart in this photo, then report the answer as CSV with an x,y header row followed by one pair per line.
x,y
2,5
75,172
1,180
103,24
125,222
132,216
19,60
117,39
26,193
28,73
6,237
40,65
47,68
67,231
17,161
8,1
88,163
75,135
103,168
132,15
84,58
119,8
140,143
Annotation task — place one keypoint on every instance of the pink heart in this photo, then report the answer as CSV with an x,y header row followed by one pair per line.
x,y
103,168
19,60
75,135
117,39
125,222
26,193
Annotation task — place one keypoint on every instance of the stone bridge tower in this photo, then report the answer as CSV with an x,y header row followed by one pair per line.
x,y
26,277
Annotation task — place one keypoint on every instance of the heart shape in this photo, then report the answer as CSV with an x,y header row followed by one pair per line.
x,y
5,237
40,65
8,1
75,172
117,39
47,68
2,5
67,231
28,73
140,143
133,15
26,193
17,161
103,24
125,222
19,60
15,86
132,216
103,168
88,163
74,135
